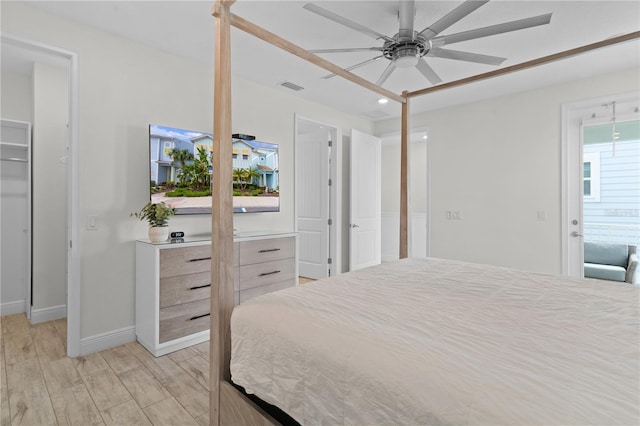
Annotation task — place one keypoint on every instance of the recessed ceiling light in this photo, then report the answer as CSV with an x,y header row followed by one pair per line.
x,y
383,100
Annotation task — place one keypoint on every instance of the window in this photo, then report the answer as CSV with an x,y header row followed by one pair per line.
x,y
234,155
591,177
245,154
167,147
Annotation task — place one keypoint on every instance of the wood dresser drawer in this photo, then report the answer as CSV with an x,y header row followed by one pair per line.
x,y
260,274
184,288
185,260
259,251
185,319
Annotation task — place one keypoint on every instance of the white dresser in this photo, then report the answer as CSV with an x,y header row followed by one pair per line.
x,y
173,284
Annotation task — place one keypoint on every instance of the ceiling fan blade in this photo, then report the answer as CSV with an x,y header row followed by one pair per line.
x,y
428,72
466,56
506,27
355,49
344,21
451,18
385,74
353,67
406,14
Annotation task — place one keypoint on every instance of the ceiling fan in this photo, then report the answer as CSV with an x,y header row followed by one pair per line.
x,y
408,48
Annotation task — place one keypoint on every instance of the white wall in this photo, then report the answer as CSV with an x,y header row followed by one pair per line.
x,y
49,195
497,162
124,86
17,97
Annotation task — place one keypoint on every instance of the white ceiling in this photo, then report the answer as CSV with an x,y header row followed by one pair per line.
x,y
186,28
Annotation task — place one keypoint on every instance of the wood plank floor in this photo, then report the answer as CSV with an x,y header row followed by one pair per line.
x,y
125,385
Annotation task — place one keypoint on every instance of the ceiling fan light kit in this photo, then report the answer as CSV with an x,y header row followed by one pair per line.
x,y
409,48
406,53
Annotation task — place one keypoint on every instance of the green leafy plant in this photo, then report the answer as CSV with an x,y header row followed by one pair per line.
x,y
157,214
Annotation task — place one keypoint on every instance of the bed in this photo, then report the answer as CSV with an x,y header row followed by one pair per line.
x,y
432,341
230,406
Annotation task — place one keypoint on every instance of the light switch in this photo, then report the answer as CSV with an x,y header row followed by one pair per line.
x,y
92,223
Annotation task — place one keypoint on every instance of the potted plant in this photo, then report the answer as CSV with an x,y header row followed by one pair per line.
x,y
157,214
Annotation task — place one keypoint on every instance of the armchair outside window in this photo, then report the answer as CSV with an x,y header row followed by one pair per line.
x,y
613,262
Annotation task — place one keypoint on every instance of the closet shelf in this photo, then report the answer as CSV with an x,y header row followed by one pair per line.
x,y
14,145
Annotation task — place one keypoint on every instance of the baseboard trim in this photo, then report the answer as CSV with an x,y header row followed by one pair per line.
x,y
111,339
48,314
11,308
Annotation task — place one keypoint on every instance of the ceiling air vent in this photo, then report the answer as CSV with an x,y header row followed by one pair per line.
x,y
376,115
291,86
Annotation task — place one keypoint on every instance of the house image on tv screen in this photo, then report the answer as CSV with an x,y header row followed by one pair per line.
x,y
166,142
260,157
181,167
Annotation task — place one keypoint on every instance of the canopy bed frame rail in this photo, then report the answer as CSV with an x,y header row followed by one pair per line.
x,y
228,405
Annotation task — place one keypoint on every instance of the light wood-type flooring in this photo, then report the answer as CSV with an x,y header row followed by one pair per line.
x,y
125,385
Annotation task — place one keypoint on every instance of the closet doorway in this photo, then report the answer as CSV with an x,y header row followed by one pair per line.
x,y
39,86
316,198
15,217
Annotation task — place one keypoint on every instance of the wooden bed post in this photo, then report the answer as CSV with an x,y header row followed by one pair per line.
x,y
404,180
222,301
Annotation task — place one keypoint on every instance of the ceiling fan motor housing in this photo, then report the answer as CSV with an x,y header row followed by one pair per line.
x,y
405,52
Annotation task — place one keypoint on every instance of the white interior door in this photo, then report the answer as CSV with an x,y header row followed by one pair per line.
x,y
365,208
312,198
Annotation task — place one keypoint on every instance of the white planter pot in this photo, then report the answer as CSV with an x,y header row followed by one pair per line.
x,y
158,234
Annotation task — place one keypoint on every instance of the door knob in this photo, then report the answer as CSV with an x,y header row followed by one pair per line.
x,y
575,234
353,225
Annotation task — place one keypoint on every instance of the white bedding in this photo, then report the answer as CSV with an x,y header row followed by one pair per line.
x,y
429,341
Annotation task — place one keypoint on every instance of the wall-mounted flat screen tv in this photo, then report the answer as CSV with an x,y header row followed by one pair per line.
x,y
181,169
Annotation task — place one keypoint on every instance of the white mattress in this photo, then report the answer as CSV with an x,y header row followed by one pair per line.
x,y
431,341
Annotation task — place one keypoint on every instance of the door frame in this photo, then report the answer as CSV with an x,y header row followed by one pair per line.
x,y
573,114
335,192
73,185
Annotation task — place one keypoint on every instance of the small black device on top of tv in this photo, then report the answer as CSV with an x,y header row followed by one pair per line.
x,y
181,170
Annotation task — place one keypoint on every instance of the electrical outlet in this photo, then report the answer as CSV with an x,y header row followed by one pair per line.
x,y
541,215
453,215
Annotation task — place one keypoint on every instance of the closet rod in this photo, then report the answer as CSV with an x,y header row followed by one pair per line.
x,y
18,160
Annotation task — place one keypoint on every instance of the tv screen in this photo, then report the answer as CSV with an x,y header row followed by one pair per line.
x,y
180,171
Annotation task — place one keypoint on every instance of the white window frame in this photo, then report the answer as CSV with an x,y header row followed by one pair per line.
x,y
594,159
167,146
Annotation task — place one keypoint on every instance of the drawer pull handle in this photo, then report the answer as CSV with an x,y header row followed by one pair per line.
x,y
269,273
268,250
199,316
200,286
198,259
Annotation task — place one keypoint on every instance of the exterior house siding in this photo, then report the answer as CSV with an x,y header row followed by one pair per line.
x,y
261,156
615,216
